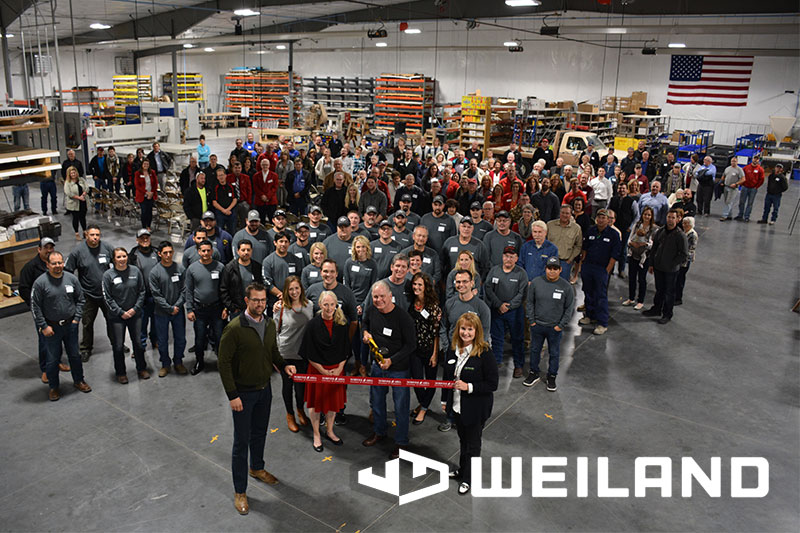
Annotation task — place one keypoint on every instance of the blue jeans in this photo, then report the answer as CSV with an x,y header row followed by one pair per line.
x,y
595,290
566,269
49,188
250,432
400,396
68,336
747,198
227,222
513,319
771,201
207,317
147,212
118,327
623,252
161,324
538,335
21,196
147,321
664,299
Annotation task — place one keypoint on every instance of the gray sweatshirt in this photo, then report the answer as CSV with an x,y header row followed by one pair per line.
x,y
550,303
300,252
453,309
311,275
190,255
262,244
318,234
359,276
412,220
431,264
383,254
343,294
202,284
453,247
144,262
502,287
339,251
403,238
166,286
399,297
481,229
290,332
439,229
123,290
89,264
495,243
276,269
56,299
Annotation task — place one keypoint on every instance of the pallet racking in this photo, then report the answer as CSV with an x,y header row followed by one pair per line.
x,y
403,99
487,120
190,86
129,91
603,123
352,94
266,94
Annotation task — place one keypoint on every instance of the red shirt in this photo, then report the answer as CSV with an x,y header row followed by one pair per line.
x,y
506,184
265,186
572,195
753,176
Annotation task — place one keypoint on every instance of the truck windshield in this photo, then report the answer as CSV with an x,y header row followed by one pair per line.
x,y
599,146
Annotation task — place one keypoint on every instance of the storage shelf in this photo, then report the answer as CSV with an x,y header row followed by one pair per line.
x,y
265,93
404,98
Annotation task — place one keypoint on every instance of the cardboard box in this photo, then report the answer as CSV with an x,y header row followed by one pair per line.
x,y
566,104
589,108
676,135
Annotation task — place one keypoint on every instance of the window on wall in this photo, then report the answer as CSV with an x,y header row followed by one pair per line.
x,y
40,65
124,65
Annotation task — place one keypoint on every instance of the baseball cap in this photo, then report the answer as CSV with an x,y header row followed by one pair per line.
x,y
343,221
466,220
553,262
503,213
316,208
372,209
510,250
208,214
45,241
142,232
253,215
400,213
405,198
438,199
301,225
434,180
475,205
385,223
601,212
279,213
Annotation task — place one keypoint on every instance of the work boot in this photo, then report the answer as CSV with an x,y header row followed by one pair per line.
x,y
292,423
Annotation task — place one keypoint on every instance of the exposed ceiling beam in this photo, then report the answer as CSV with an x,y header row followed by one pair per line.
x,y
681,29
10,10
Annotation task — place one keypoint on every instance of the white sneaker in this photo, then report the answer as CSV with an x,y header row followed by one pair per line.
x,y
463,488
771,222
599,330
638,307
627,302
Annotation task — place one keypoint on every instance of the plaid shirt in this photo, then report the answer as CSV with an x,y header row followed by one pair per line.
x,y
359,163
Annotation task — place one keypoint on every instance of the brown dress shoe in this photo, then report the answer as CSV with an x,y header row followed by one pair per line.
x,y
44,378
63,367
54,395
240,502
122,379
517,372
373,439
144,374
291,422
82,386
302,419
263,475
163,371
180,369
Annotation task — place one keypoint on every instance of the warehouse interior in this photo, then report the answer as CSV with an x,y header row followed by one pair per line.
x,y
721,380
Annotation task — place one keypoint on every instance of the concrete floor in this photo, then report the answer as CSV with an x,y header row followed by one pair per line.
x,y
720,380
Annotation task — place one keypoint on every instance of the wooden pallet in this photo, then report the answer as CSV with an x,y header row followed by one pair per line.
x,y
21,161
25,122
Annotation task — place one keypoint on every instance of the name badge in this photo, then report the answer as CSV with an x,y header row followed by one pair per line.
x,y
591,237
414,196
102,259
453,249
230,195
377,250
298,255
495,280
313,274
117,281
313,234
451,362
393,300
214,274
556,296
387,332
69,288
349,250
291,269
175,278
441,228
426,260
355,268
424,313
606,239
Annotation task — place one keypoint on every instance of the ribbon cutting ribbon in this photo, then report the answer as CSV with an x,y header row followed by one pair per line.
x,y
381,382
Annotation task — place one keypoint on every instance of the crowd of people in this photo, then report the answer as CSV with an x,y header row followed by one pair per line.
x,y
434,259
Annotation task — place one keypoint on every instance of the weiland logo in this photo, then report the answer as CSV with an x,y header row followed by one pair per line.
x,y
545,482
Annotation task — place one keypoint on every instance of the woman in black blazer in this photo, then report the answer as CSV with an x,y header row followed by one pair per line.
x,y
470,363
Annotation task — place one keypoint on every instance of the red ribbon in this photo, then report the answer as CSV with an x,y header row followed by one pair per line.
x,y
380,382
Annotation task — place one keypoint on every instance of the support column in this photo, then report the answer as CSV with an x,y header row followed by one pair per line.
x,y
291,84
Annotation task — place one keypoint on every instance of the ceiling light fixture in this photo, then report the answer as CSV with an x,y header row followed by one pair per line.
x,y
99,26
413,31
511,43
188,45
523,3
209,49
381,45
9,35
281,47
246,12
677,45
261,52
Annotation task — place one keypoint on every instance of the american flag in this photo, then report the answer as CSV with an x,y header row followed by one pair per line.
x,y
709,80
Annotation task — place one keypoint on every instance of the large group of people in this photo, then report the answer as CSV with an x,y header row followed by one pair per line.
x,y
423,264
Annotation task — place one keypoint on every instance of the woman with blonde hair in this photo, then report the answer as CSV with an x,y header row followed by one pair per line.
x,y
326,346
75,200
360,272
291,313
470,402
351,197
311,274
464,261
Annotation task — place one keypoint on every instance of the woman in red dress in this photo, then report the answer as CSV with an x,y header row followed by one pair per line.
x,y
326,346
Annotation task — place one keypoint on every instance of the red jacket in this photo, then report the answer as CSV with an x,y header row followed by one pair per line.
x,y
273,161
265,187
506,184
572,195
452,189
245,187
753,176
139,184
